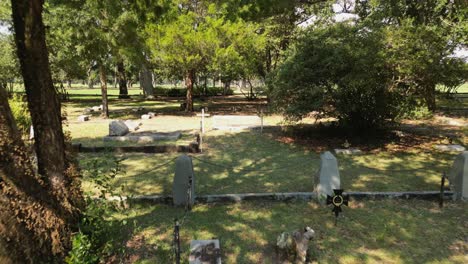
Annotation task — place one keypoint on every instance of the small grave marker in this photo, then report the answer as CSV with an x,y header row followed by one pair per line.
x,y
231,122
118,128
202,124
83,118
338,199
205,252
351,151
450,148
145,117
328,175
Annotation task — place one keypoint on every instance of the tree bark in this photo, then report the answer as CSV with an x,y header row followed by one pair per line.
x,y
227,86
123,91
105,104
33,223
43,101
190,77
146,81
430,97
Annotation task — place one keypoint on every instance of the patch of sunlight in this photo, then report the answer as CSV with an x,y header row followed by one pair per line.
x,y
379,256
202,234
254,257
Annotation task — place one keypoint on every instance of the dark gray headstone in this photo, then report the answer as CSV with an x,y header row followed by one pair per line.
x,y
205,252
183,175
458,176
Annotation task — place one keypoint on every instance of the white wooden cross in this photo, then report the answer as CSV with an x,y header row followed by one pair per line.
x,y
202,125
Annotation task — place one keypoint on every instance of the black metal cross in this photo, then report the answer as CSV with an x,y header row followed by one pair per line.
x,y
338,199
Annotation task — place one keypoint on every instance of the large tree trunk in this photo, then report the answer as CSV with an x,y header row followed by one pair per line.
x,y
430,98
43,101
146,81
90,78
189,79
105,104
39,212
227,86
33,224
123,91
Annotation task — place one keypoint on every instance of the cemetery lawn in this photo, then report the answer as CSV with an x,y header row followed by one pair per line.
x,y
380,231
248,162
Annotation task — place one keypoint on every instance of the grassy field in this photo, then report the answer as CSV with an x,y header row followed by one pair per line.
x,y
389,231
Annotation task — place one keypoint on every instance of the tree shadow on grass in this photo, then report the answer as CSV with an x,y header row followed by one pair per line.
x,y
386,231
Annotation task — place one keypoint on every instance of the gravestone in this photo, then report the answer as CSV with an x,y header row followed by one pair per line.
x,y
31,132
232,122
83,118
328,176
458,176
96,108
145,117
183,181
88,111
152,114
450,147
348,151
205,252
117,128
132,125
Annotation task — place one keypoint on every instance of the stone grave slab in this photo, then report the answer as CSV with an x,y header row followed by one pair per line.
x,y
144,137
328,175
233,122
145,117
350,151
83,118
96,108
205,252
117,128
449,147
458,176
182,177
132,125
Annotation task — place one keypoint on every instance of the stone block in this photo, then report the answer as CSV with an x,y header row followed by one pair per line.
x,y
183,187
350,151
205,252
83,118
132,125
232,122
450,148
328,176
151,114
96,108
458,176
118,128
145,117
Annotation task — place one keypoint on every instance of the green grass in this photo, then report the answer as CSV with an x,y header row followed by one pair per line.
x,y
250,162
388,231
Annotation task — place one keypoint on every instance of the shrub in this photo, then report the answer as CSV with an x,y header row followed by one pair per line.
x,y
20,111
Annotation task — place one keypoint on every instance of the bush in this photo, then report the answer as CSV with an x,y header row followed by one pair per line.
x,y
20,111
197,91
340,71
99,237
212,91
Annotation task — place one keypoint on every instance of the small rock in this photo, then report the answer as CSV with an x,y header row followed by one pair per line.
x,y
83,118
150,97
450,147
145,117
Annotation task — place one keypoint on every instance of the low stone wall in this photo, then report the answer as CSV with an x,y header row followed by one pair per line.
x,y
191,148
301,196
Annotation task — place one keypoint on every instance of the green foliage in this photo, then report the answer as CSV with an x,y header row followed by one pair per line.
x,y
20,111
98,236
197,91
9,67
338,70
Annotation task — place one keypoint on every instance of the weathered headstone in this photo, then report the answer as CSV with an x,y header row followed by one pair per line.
x,y
328,176
232,122
31,132
88,111
458,176
83,118
450,147
145,117
117,128
205,252
348,151
132,125
184,182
